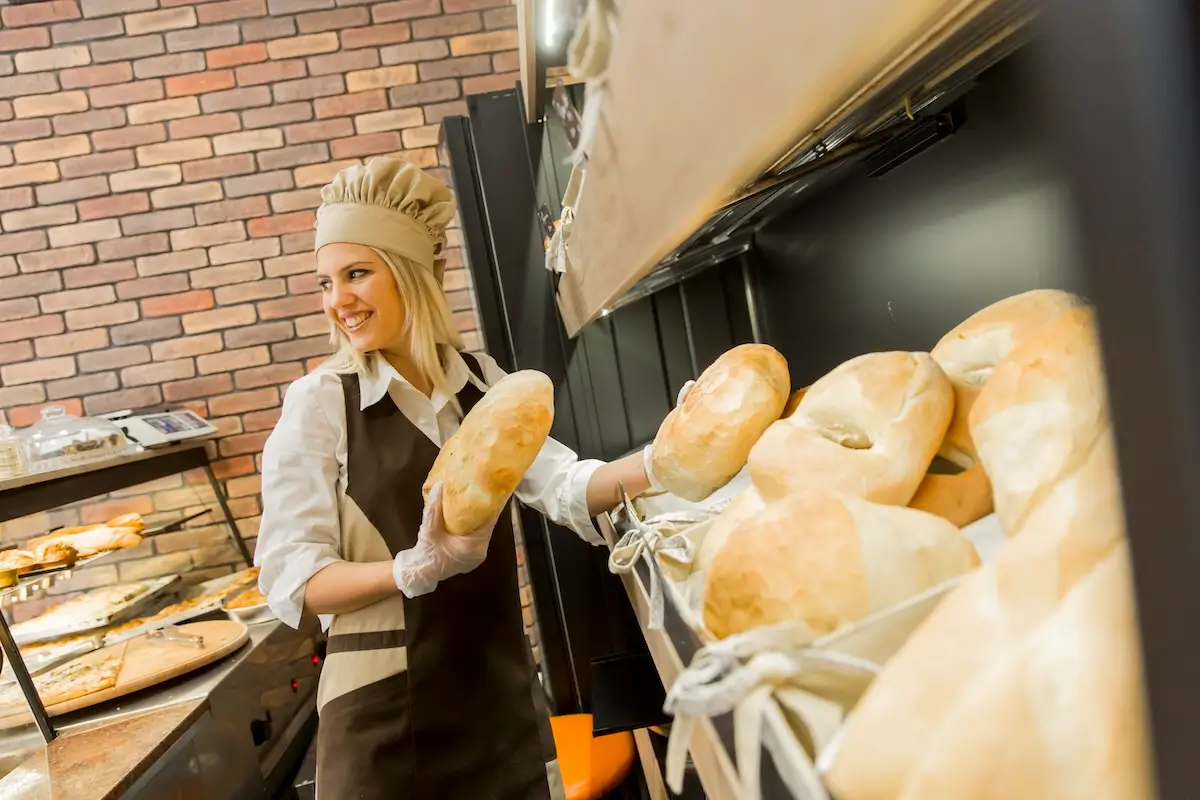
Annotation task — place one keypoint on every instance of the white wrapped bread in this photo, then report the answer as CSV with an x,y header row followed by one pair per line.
x,y
981,621
1040,414
870,429
826,559
970,353
705,440
1060,717
480,466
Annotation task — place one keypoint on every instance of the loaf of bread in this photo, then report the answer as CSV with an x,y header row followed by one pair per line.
x,y
480,466
957,497
827,559
745,506
1060,717
1040,414
987,616
705,440
91,540
970,353
870,429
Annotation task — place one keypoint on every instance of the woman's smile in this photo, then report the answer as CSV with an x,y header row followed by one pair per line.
x,y
355,321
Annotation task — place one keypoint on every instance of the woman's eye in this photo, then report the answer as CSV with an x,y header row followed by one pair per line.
x,y
324,285
355,274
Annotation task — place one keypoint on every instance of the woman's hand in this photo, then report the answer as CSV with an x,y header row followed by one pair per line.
x,y
439,555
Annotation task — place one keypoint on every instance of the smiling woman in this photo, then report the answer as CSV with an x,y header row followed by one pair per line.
x,y
427,644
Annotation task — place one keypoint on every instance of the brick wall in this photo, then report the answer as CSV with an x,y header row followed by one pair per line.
x,y
160,163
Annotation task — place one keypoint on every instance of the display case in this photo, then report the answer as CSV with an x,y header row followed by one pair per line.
x,y
869,176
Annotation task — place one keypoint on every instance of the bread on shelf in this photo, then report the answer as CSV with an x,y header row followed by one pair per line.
x,y
970,353
826,559
958,497
88,541
481,465
705,440
1040,414
869,428
986,617
1060,716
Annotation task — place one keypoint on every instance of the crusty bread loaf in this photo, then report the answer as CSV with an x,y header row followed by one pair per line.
x,y
1040,414
793,402
744,506
704,441
827,559
960,498
1060,717
91,540
870,428
480,466
970,353
1076,527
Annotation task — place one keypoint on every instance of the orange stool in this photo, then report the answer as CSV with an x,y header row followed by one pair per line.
x,y
591,767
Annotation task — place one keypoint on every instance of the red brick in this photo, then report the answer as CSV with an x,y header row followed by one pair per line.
x,y
38,217
236,99
262,333
23,416
98,75
45,369
41,83
405,9
86,30
152,287
243,402
231,360
261,30
302,242
148,330
320,131
251,250
97,164
343,62
171,64
423,93
113,206
208,236
178,261
459,6
257,377
274,116
280,224
219,318
229,210
133,246
113,358
289,307
57,259
346,105
490,42
127,48
246,443
24,242
260,183
30,285
206,386
12,41
285,202
302,349
95,120
158,221
490,83
206,125
309,88
39,13
20,197
456,67
426,136
230,10
20,308
50,325
72,343
13,352
200,82
381,78
102,317
182,303
212,277
99,274
121,94
270,72
500,18
447,25
158,373
233,467
376,35
24,129
333,20
250,292
244,487
146,178
72,299
508,61
366,145
219,167
227,57
187,347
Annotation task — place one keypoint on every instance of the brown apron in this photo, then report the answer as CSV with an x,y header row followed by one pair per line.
x,y
435,697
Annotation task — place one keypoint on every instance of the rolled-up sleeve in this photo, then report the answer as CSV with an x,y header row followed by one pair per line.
x,y
556,483
299,534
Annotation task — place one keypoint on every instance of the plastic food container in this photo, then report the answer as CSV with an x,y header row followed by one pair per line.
x,y
61,440
12,453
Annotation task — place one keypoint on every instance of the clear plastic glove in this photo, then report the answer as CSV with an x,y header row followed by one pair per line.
x,y
438,554
648,453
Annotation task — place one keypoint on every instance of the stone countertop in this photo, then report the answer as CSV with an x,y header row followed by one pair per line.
x,y
89,764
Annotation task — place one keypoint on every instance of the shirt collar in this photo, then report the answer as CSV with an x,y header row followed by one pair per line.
x,y
379,376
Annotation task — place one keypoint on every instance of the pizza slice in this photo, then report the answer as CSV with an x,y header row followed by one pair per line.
x,y
78,678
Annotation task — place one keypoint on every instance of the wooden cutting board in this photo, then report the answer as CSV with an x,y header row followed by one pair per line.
x,y
149,662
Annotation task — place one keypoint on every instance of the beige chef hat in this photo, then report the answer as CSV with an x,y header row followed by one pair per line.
x,y
391,205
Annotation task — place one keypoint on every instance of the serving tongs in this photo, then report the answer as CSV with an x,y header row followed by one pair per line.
x,y
170,633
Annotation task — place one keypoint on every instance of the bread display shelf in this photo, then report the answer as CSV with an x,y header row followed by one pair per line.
x,y
781,90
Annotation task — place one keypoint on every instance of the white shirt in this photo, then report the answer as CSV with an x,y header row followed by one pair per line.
x,y
304,473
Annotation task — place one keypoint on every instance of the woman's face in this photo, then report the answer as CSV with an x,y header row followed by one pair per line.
x,y
360,297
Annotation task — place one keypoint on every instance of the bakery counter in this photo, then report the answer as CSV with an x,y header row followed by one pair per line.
x,y
230,730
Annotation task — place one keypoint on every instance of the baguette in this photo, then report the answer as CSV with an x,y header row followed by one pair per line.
x,y
91,541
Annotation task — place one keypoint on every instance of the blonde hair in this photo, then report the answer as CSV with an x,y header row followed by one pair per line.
x,y
428,324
